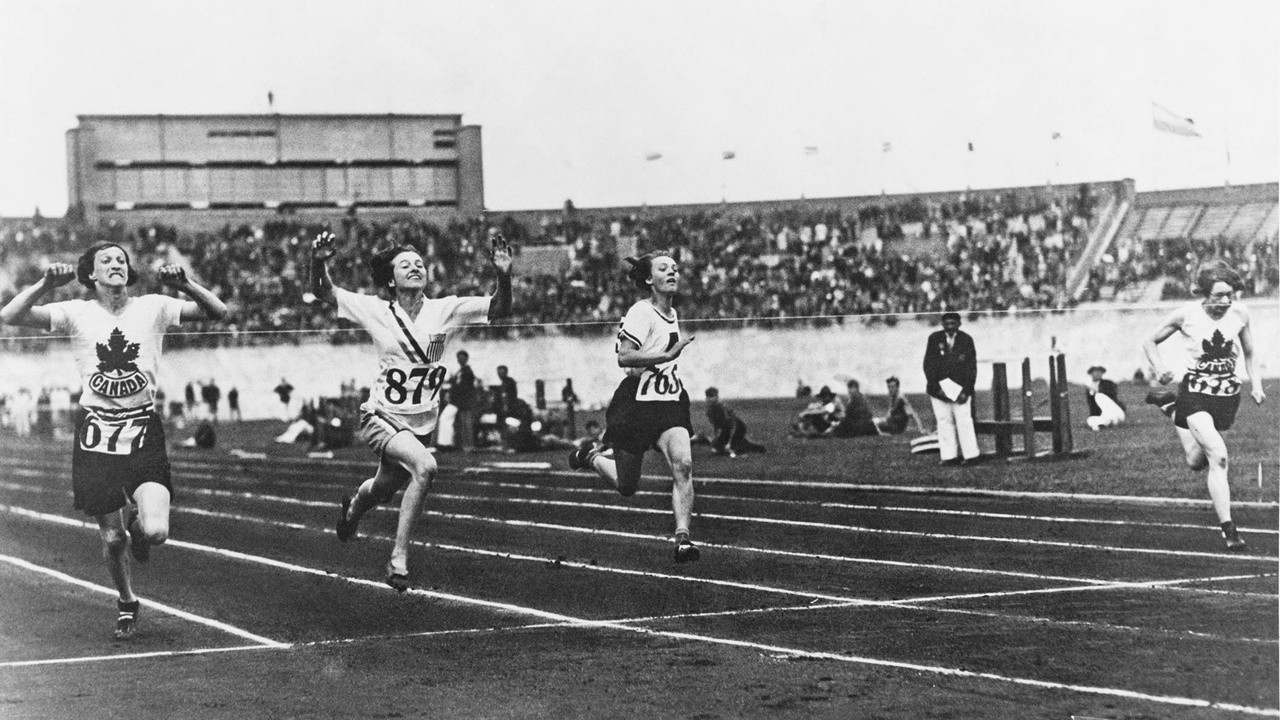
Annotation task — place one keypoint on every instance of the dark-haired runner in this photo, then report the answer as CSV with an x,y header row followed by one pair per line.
x,y
118,459
410,332
650,408
1209,393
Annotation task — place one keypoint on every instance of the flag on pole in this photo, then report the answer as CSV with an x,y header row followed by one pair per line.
x,y
729,155
886,147
653,156
811,150
1165,120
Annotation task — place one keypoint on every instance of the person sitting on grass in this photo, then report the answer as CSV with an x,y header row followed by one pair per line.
x,y
857,420
901,414
729,432
819,416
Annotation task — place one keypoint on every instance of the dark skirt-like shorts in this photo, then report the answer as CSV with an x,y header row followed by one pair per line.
x,y
634,426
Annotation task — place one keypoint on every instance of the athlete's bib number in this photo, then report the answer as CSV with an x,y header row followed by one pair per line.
x,y
414,386
659,385
119,437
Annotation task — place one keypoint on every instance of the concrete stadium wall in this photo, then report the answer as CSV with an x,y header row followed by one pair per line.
x,y
749,362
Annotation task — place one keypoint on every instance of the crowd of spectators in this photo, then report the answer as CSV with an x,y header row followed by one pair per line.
x,y
1134,262
985,251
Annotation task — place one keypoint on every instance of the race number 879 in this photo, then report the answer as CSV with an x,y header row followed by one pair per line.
x,y
402,389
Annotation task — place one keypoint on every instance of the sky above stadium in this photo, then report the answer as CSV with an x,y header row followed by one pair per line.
x,y
812,98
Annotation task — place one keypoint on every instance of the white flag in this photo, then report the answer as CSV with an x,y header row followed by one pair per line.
x,y
1165,120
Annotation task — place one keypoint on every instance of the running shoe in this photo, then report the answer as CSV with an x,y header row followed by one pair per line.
x,y
398,581
685,550
346,528
1232,536
138,545
127,620
580,458
1163,400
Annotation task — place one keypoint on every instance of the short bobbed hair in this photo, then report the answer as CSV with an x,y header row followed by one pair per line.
x,y
1214,272
84,267
380,265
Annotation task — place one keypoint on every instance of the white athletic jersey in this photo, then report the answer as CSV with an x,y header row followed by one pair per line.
x,y
409,350
117,355
1211,349
648,328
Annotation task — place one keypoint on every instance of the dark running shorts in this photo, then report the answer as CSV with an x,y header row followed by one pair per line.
x,y
103,482
633,426
1222,408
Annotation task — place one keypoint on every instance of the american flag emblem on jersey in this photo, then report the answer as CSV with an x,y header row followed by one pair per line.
x,y
435,348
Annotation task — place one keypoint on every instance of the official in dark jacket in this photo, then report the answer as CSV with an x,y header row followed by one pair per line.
x,y
950,371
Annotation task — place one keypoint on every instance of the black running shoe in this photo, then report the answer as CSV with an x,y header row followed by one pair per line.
x,y
138,545
127,620
1232,536
580,459
1162,399
397,580
685,550
346,528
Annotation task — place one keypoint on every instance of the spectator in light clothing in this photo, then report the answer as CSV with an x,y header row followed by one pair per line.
x,y
951,369
1105,408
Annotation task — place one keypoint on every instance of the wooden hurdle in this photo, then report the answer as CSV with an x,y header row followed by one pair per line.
x,y
1057,424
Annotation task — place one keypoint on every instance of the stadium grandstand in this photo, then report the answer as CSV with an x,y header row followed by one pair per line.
x,y
816,261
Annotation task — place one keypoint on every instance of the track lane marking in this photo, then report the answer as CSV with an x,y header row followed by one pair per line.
x,y
167,609
905,604
618,533
308,467
773,501
728,642
137,656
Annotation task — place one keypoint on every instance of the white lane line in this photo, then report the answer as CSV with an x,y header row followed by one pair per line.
x,y
308,466
208,622
804,504
729,642
907,489
880,531
137,656
630,535
834,600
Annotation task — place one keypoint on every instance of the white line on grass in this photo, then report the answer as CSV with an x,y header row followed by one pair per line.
x,y
19,562
728,642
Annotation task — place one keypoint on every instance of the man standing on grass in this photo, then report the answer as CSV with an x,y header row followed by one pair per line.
x,y
951,369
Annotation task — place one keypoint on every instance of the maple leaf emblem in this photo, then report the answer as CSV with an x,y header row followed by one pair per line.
x,y
1217,348
118,354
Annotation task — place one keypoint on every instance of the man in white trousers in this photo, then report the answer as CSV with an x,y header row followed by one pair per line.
x,y
951,369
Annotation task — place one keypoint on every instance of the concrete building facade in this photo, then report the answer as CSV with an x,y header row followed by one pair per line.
x,y
207,170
